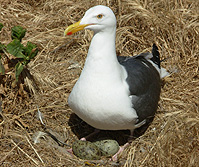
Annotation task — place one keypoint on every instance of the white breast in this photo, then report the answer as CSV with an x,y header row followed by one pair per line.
x,y
103,101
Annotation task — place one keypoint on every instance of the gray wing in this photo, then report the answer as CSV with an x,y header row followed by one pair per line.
x,y
144,85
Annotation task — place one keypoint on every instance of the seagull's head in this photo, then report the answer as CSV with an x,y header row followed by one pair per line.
x,y
98,18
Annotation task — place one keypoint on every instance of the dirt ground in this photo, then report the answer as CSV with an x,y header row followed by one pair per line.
x,y
173,137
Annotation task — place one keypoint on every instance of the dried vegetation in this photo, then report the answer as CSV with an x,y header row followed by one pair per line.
x,y
173,137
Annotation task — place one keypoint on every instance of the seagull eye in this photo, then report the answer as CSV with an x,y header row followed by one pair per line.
x,y
99,16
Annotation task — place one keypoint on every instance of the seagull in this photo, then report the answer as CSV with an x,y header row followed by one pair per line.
x,y
114,92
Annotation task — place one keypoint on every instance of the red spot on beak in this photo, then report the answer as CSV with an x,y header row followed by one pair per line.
x,y
69,33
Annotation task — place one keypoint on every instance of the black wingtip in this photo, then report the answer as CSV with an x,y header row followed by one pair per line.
x,y
156,55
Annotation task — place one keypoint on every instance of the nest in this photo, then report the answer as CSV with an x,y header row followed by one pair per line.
x,y
171,140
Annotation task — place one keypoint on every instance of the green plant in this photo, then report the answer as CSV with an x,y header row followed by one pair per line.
x,y
23,54
1,26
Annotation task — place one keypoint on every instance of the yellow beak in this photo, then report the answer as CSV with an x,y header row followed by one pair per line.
x,y
74,28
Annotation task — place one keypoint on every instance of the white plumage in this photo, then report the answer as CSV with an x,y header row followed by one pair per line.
x,y
108,94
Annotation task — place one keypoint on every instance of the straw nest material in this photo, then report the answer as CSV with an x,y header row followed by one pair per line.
x,y
173,137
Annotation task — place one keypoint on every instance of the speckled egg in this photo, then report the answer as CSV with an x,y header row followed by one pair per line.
x,y
107,147
86,150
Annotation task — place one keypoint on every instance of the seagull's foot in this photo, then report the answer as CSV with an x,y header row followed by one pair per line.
x,y
70,151
96,131
83,139
121,149
130,139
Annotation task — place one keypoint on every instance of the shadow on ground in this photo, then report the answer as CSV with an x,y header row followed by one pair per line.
x,y
82,129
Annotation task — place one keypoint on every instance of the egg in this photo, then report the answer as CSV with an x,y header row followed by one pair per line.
x,y
86,150
93,151
107,147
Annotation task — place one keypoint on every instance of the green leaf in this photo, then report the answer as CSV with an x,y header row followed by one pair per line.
x,y
2,69
2,46
18,69
16,48
1,26
18,32
30,50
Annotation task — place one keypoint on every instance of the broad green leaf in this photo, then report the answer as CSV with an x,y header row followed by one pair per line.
x,y
2,69
2,46
18,69
18,32
30,50
16,48
1,26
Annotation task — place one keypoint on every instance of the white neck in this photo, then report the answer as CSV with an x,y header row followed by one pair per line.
x,y
103,44
101,56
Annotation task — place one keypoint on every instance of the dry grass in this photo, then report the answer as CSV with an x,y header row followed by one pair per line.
x,y
173,137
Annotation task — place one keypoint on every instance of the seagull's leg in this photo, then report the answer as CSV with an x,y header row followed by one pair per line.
x,y
121,149
96,131
132,130
70,151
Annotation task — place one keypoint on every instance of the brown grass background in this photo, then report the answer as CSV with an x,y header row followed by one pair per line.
x,y
173,137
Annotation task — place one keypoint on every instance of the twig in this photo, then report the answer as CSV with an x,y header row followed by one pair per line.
x,y
55,138
34,150
18,116
63,46
40,116
7,154
25,153
159,137
167,58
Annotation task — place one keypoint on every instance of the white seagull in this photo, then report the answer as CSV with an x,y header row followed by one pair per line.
x,y
114,92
